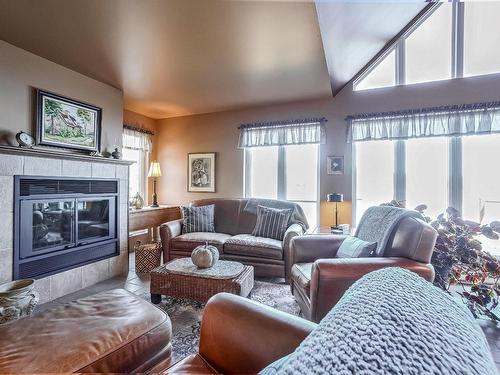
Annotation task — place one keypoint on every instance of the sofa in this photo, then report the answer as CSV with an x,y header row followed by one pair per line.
x,y
234,221
319,278
391,321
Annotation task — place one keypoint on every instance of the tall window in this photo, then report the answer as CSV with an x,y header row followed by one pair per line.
x,y
284,172
136,148
439,157
454,40
281,162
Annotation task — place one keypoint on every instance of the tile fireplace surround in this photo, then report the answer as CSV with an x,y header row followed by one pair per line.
x,y
26,162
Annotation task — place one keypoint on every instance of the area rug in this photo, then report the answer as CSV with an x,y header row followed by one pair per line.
x,y
186,314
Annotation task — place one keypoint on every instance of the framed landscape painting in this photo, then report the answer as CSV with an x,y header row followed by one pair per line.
x,y
67,123
201,172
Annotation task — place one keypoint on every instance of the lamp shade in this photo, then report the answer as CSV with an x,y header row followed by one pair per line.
x,y
154,169
335,197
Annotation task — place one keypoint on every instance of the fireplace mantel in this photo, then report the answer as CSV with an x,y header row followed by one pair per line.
x,y
44,152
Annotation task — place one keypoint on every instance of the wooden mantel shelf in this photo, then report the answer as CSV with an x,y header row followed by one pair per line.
x,y
49,153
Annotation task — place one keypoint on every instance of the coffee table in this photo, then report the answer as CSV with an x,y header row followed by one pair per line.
x,y
182,279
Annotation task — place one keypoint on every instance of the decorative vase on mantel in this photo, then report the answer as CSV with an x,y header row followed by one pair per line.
x,y
17,300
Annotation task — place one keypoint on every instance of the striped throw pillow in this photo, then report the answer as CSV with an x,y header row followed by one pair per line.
x,y
271,222
198,219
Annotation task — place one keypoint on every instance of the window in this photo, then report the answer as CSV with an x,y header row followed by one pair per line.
x,y
481,38
428,48
481,183
382,75
427,174
136,148
453,41
374,170
284,172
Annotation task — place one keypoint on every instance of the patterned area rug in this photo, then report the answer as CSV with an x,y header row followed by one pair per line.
x,y
186,314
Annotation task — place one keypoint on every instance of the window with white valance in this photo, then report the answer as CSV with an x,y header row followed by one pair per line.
x,y
137,146
436,156
283,133
281,162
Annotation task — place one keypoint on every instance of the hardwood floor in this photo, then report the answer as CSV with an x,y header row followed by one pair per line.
x,y
139,284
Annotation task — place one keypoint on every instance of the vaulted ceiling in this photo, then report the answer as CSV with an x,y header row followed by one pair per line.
x,y
181,57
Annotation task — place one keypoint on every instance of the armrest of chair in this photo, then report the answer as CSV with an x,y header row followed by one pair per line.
x,y
307,249
242,336
293,231
168,231
332,277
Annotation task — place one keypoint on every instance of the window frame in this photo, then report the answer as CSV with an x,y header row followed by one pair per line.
x,y
457,48
281,177
144,166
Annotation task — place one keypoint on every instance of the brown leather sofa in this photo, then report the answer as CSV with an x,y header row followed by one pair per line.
x,y
109,332
318,279
240,336
233,225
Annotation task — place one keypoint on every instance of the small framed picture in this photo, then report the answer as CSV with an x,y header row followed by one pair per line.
x,y
201,172
67,123
335,165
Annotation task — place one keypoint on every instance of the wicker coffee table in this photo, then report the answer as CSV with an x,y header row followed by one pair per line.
x,y
182,279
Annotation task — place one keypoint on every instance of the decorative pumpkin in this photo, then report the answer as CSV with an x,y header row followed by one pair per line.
x,y
205,256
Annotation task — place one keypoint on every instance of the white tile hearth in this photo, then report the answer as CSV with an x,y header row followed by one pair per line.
x,y
42,286
75,168
66,282
95,272
6,230
11,165
7,193
103,170
42,166
5,265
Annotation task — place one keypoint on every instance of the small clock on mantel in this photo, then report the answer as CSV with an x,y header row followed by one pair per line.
x,y
25,140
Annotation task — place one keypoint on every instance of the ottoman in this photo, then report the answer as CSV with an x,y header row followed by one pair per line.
x,y
109,332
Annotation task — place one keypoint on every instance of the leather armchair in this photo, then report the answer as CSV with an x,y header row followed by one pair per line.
x,y
240,336
319,279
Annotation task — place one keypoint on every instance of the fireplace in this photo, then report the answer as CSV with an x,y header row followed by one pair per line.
x,y
63,223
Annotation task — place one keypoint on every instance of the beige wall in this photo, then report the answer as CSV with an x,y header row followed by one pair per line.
x,y
144,122
21,71
218,132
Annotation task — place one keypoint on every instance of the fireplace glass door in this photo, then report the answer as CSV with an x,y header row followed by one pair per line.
x,y
94,219
52,225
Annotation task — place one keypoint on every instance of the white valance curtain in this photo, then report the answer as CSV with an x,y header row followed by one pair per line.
x,y
482,118
136,140
282,133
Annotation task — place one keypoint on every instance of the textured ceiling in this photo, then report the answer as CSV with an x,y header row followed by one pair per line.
x,y
182,57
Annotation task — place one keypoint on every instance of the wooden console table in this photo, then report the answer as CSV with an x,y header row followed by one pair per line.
x,y
151,218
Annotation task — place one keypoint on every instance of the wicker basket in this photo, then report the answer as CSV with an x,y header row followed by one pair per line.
x,y
147,257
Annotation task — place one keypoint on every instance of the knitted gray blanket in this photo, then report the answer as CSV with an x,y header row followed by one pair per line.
x,y
377,223
298,216
394,322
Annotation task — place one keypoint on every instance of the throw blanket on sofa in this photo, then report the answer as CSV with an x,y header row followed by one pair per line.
x,y
394,322
297,217
377,223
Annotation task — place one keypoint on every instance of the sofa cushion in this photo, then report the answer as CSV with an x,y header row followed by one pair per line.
x,y
198,219
189,241
271,222
248,245
301,276
109,332
353,247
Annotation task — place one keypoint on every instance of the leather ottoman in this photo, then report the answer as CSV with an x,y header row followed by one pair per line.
x,y
109,332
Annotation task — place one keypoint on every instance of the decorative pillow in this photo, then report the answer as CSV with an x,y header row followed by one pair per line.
x,y
198,219
353,247
271,222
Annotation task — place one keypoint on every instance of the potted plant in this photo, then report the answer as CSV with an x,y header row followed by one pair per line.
x,y
460,260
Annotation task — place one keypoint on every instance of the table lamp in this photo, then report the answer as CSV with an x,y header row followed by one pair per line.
x,y
154,171
337,198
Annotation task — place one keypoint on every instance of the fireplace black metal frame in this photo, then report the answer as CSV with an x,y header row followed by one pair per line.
x,y
59,259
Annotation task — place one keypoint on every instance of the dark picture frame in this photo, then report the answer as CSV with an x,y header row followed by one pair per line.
x,y
335,165
201,172
67,123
